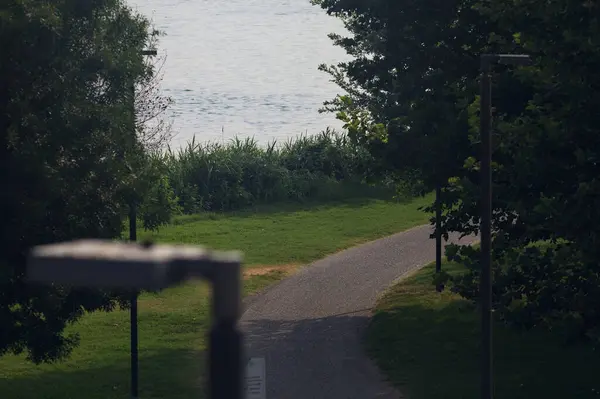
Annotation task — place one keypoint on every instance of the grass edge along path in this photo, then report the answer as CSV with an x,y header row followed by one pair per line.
x,y
173,323
428,345
295,233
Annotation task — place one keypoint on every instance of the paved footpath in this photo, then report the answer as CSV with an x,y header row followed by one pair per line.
x,y
309,327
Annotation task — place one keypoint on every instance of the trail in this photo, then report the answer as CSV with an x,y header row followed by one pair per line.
x,y
309,327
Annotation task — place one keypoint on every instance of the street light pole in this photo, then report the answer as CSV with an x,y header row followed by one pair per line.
x,y
487,60
438,227
133,314
486,233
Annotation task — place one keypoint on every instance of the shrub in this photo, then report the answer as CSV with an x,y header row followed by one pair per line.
x,y
241,173
545,284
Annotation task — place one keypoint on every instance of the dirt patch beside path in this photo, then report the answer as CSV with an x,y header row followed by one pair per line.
x,y
263,270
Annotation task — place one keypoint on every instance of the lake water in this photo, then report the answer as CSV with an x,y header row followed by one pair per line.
x,y
245,67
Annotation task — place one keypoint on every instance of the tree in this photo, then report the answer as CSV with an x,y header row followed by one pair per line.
x,y
412,75
65,83
413,64
152,125
545,171
412,85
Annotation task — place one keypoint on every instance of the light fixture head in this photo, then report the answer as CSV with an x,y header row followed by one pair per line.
x,y
507,59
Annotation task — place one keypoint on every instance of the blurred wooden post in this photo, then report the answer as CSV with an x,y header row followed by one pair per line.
x,y
120,265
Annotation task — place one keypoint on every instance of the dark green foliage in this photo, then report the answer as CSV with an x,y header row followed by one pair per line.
x,y
66,115
156,201
545,172
545,285
411,64
412,95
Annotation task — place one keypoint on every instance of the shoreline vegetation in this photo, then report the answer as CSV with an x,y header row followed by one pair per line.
x,y
241,173
212,178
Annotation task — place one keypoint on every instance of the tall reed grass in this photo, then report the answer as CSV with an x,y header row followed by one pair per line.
x,y
241,173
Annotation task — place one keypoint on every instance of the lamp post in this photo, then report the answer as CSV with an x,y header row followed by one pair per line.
x,y
133,314
121,265
487,61
438,227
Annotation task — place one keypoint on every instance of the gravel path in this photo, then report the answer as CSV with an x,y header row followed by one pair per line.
x,y
309,327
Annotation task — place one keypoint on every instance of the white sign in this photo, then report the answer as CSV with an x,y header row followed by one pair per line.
x,y
256,384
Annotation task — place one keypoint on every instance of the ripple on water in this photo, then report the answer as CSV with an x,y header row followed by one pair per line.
x,y
245,67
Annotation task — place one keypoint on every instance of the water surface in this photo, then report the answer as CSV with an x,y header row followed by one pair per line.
x,y
245,67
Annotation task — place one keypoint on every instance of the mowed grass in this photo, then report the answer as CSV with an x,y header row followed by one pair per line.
x,y
428,344
173,323
295,233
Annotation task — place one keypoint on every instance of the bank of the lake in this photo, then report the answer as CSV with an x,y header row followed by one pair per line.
x,y
242,173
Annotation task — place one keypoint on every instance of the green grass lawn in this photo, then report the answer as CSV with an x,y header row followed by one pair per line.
x,y
295,233
428,344
173,323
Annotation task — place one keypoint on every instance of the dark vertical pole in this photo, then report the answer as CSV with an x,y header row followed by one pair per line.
x,y
134,296
132,223
485,229
438,228
226,368
225,354
133,313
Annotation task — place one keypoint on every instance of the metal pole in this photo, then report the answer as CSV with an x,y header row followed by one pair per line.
x,y
438,228
485,230
134,298
134,311
132,223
